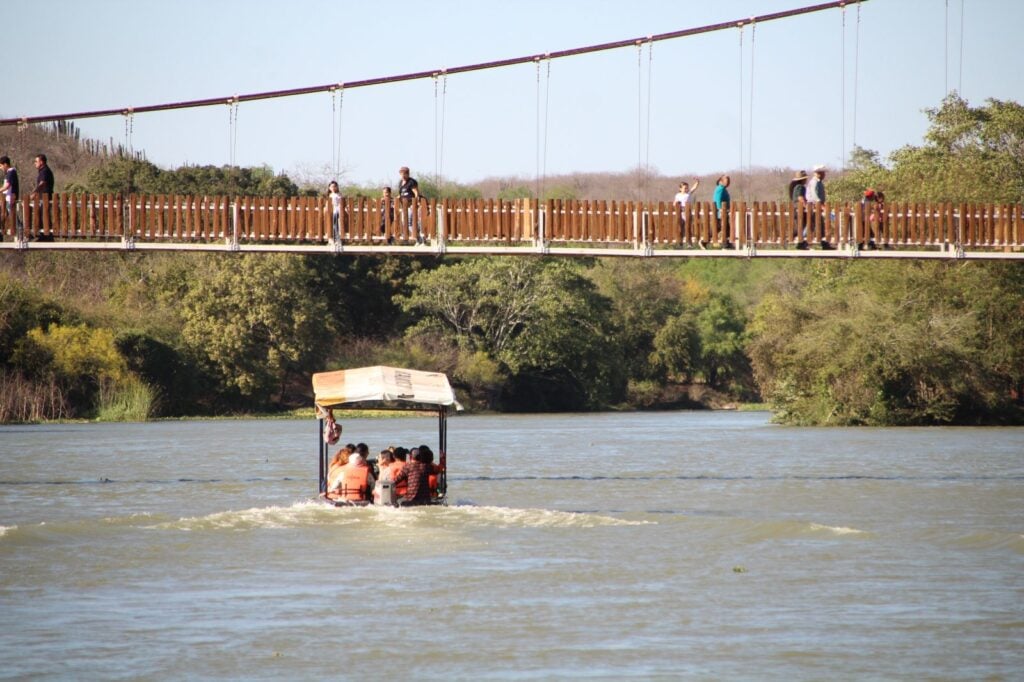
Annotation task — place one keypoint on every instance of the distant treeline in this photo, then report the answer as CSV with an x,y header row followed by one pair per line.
x,y
141,335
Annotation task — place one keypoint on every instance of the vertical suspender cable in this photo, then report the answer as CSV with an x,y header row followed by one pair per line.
x,y
341,136
750,116
129,129
334,134
960,86
856,72
639,119
436,165
742,181
842,85
650,70
232,129
547,99
444,106
945,61
536,142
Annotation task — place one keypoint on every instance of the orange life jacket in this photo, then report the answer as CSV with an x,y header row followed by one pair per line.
x,y
354,479
432,479
396,468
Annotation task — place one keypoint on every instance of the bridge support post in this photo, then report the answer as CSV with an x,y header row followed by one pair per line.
x,y
19,227
231,238
645,246
540,242
636,230
127,219
440,244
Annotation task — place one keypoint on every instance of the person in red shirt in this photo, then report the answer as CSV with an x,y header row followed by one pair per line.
x,y
416,474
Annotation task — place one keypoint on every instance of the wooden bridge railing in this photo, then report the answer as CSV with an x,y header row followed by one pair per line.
x,y
241,221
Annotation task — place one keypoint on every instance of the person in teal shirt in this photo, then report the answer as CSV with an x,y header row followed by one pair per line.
x,y
722,194
722,206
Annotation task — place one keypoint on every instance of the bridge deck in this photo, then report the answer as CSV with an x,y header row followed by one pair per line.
x,y
523,226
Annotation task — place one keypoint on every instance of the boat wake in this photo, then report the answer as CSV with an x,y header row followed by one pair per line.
x,y
313,513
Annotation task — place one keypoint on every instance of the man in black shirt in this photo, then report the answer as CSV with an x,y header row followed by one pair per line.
x,y
44,180
409,190
44,186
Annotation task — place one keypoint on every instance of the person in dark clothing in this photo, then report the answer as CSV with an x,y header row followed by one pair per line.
x,y
416,474
409,192
798,198
10,190
44,187
10,187
44,180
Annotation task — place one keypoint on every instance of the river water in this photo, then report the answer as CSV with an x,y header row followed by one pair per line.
x,y
706,545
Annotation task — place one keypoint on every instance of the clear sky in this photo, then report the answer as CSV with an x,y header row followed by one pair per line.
x,y
76,56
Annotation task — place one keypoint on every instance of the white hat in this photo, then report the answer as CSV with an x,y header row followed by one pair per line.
x,y
818,168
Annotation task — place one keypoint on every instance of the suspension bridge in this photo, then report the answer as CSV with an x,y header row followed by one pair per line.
x,y
523,226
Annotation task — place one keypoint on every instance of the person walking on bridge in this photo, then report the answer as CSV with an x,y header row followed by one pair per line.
x,y
682,200
409,191
722,205
9,189
798,199
44,187
815,204
44,179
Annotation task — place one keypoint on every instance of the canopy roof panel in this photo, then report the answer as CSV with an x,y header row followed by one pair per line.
x,y
381,384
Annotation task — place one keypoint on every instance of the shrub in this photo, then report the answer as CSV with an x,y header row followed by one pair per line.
x,y
128,400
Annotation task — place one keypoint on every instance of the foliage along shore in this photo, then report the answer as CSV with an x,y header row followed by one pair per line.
x,y
131,336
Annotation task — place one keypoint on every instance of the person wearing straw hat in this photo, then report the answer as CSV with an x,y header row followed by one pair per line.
x,y
798,198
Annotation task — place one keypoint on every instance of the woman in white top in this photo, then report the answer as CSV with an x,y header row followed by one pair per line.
x,y
334,194
682,200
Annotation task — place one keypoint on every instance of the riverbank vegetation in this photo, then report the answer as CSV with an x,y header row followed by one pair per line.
x,y
131,336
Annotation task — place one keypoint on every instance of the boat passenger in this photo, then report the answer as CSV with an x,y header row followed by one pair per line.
x,y
384,461
416,474
334,471
401,488
432,469
356,479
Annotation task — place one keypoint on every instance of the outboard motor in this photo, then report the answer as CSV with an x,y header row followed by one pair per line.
x,y
384,493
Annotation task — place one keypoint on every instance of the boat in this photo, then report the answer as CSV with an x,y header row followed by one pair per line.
x,y
383,388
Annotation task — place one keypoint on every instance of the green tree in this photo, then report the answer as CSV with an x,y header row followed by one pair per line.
x,y
721,327
22,308
257,320
887,344
130,175
970,154
542,320
677,348
644,295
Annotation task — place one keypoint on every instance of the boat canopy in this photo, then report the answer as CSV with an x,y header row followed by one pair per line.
x,y
383,386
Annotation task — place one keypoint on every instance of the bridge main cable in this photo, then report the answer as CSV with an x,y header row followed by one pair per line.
x,y
234,99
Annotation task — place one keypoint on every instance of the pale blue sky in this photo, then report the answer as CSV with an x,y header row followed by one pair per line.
x,y
77,55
